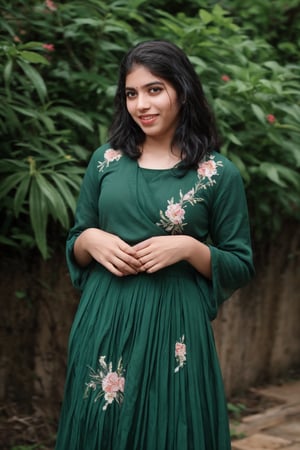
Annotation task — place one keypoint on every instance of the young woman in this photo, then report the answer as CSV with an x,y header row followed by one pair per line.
x,y
160,240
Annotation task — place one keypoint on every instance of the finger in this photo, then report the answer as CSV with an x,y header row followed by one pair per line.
x,y
129,260
153,268
142,245
124,267
111,268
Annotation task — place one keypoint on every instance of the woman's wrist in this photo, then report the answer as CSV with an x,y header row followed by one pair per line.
x,y
81,247
198,255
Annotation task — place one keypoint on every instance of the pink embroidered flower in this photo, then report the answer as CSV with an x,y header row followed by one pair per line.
x,y
109,397
180,350
180,353
49,47
188,197
175,213
207,169
172,218
112,155
225,78
51,5
113,383
271,118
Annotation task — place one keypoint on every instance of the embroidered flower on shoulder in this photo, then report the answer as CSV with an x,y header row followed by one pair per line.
x,y
110,383
208,169
110,155
172,218
180,354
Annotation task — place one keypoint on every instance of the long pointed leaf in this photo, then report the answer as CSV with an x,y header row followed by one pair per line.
x,y
21,193
35,78
38,217
65,191
56,205
10,183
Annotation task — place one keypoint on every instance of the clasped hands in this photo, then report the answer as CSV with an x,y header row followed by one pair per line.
x,y
123,259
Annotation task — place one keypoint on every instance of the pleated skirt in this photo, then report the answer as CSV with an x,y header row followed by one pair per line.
x,y
143,372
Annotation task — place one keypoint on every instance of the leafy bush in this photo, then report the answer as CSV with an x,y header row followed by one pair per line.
x,y
59,65
55,104
256,101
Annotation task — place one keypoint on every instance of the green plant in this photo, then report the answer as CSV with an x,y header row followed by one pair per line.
x,y
50,108
59,63
235,411
257,104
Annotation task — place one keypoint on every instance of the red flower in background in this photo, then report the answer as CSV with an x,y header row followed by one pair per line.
x,y
51,5
225,78
271,118
49,47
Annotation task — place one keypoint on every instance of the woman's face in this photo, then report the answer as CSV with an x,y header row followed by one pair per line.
x,y
152,103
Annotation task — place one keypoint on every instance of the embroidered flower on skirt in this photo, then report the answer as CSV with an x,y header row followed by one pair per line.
x,y
180,354
110,383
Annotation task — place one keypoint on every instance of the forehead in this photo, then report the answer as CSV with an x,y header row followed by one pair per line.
x,y
140,76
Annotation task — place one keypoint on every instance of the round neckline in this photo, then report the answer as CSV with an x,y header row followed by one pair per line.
x,y
154,170
176,166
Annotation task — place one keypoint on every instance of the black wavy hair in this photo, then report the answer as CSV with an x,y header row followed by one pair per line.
x,y
196,134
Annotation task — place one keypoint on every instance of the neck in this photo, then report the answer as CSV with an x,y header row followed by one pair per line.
x,y
156,155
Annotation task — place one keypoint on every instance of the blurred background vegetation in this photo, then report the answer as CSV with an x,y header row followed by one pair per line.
x,y
59,63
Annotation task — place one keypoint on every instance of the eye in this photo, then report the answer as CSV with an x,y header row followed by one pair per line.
x,y
155,90
130,94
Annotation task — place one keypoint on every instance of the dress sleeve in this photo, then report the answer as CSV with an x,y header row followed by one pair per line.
x,y
86,216
231,252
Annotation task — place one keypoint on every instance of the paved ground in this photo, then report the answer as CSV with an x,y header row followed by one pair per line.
x,y
277,428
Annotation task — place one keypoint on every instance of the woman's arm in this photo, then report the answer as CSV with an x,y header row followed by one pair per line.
x,y
107,249
162,251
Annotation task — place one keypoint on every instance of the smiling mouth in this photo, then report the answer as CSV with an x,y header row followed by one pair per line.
x,y
149,118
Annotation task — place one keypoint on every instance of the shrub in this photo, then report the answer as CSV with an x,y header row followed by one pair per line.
x,y
59,64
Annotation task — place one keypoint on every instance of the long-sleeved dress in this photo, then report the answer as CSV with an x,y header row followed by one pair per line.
x,y
143,372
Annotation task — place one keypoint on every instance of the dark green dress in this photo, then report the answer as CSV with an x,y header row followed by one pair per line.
x,y
143,373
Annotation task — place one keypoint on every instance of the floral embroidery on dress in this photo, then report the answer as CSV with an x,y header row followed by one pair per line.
x,y
180,354
172,219
110,383
110,155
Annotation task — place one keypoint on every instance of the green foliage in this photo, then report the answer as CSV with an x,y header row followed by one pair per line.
x,y
59,63
257,105
278,22
55,105
235,410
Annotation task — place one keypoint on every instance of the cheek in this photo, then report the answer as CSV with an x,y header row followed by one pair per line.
x,y
130,107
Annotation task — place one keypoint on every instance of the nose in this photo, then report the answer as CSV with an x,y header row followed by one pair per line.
x,y
142,102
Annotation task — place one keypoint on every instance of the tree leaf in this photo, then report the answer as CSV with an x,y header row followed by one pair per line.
x,y
38,217
36,79
258,113
34,58
73,115
21,193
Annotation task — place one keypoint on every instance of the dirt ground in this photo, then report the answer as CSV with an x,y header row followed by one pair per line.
x,y
21,431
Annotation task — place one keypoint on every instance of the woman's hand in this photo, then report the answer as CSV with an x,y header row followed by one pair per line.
x,y
107,249
162,251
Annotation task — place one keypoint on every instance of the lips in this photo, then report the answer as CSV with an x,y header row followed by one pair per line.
x,y
148,119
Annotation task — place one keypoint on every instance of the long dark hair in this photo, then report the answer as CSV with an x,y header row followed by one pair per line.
x,y
196,133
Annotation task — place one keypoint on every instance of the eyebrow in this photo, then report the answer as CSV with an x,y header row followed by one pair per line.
x,y
152,83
